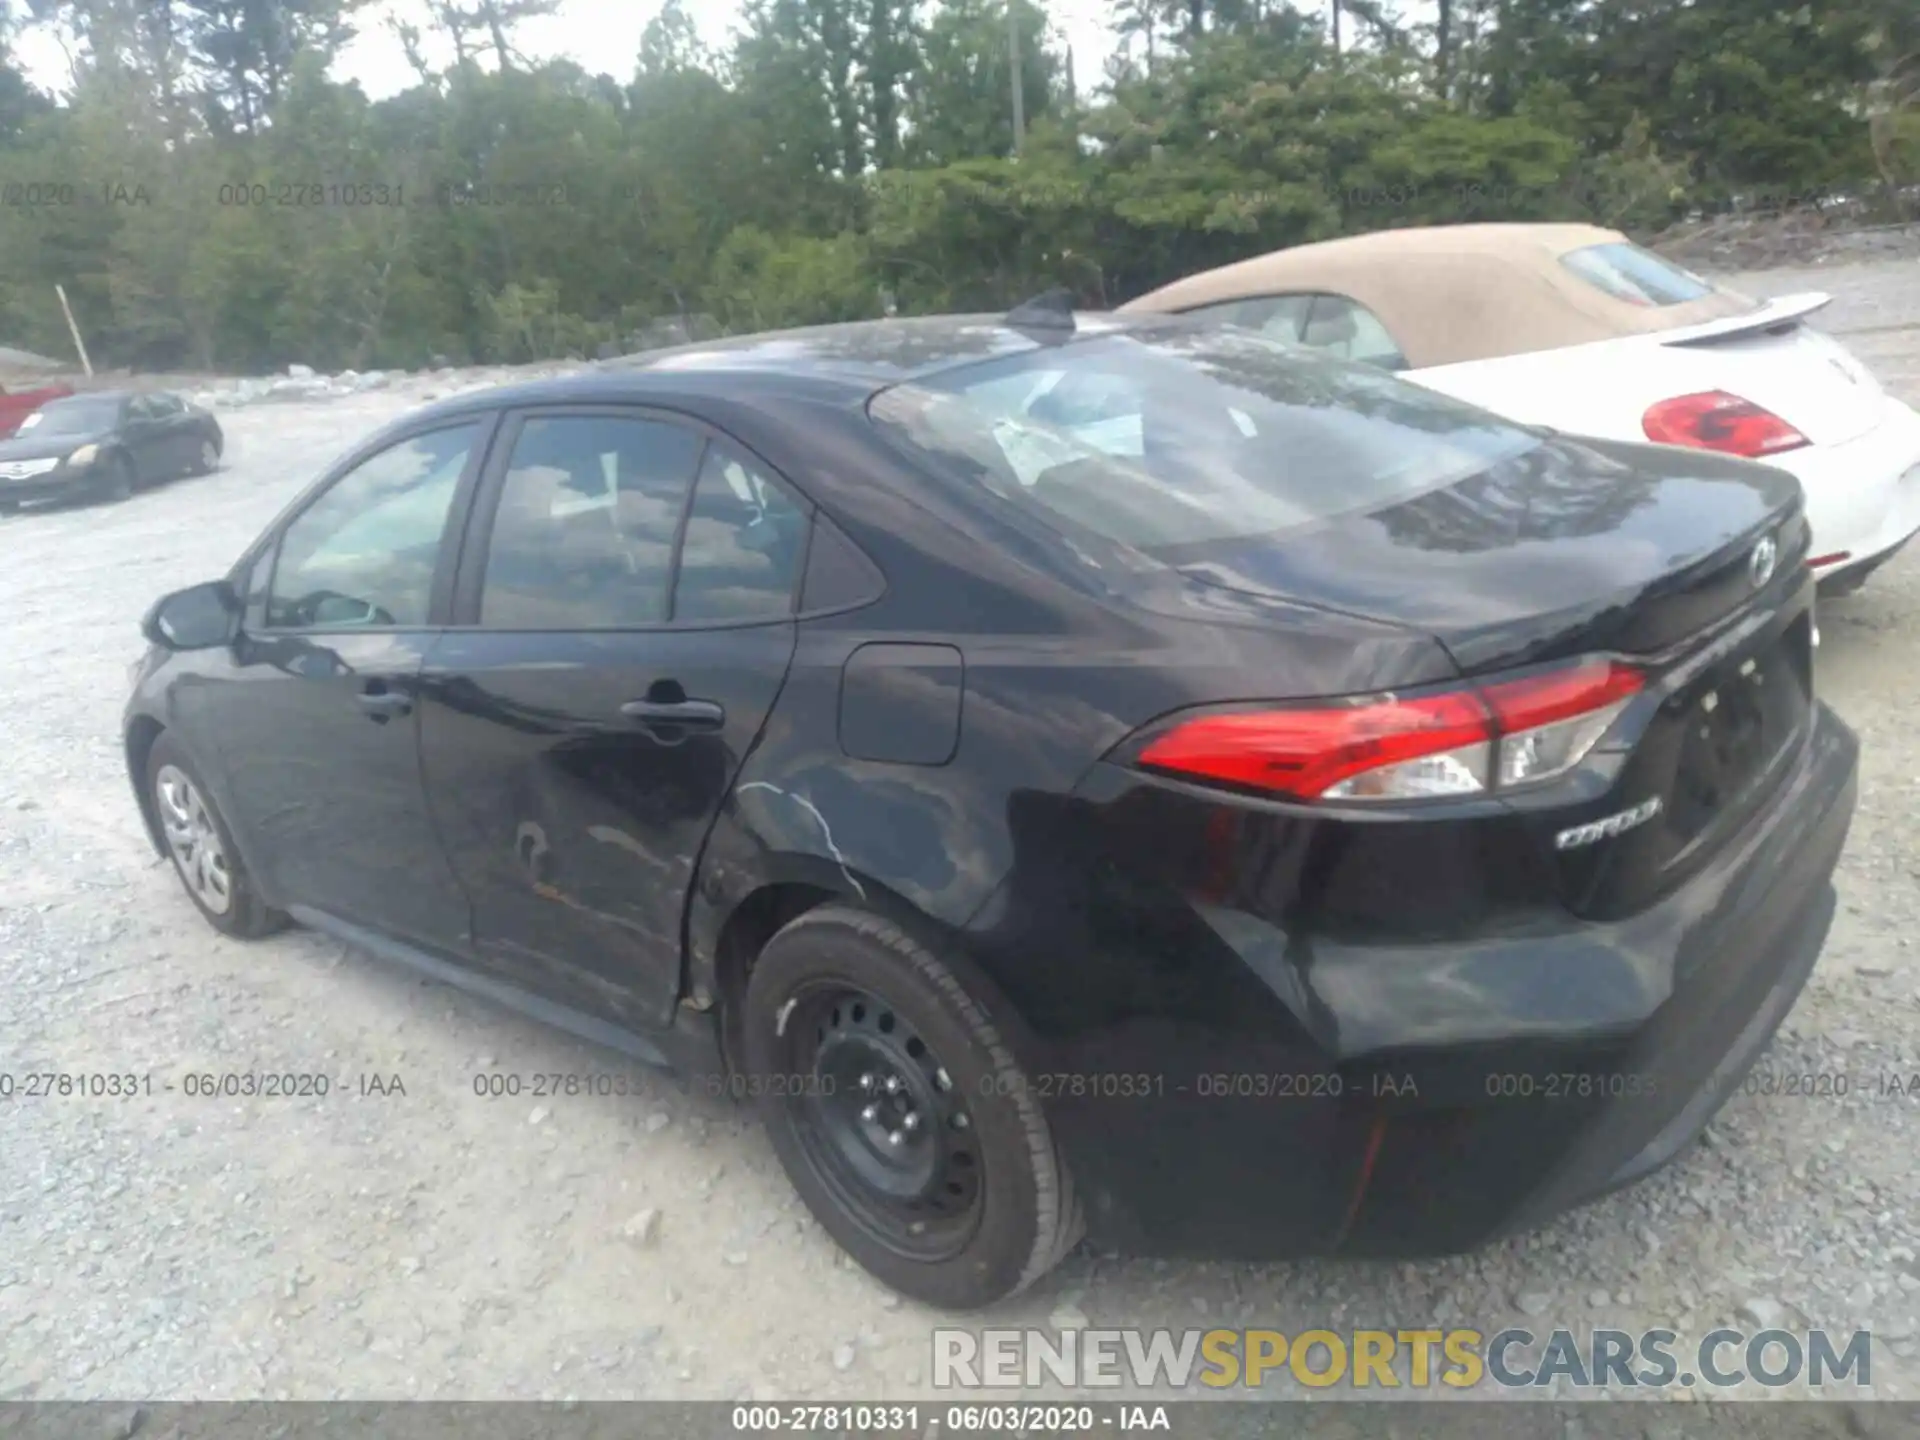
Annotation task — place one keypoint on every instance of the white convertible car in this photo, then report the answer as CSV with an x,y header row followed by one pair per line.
x,y
1580,330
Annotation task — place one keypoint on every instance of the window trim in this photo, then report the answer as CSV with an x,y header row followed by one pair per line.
x,y
477,536
440,592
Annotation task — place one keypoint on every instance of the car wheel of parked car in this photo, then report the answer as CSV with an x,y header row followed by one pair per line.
x,y
119,483
209,458
202,849
901,1114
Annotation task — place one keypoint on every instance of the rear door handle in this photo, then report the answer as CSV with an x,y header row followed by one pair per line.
x,y
681,714
383,705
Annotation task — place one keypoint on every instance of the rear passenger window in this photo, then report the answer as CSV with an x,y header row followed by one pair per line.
x,y
741,556
1279,317
583,535
1348,329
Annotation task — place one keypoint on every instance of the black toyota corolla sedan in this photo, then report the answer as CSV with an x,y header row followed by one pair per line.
x,y
1070,775
105,445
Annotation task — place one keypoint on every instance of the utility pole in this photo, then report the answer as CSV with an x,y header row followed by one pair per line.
x,y
1013,66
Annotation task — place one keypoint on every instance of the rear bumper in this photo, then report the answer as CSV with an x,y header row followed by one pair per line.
x,y
1849,575
1432,1098
1863,497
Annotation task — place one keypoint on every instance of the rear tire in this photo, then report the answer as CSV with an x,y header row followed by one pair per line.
x,y
201,847
901,1114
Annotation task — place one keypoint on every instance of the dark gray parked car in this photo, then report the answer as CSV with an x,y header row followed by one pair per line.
x,y
106,445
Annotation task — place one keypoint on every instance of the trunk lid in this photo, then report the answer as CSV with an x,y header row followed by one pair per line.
x,y
1584,548
1570,548
1774,359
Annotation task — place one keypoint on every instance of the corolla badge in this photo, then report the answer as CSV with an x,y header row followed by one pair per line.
x,y
1761,562
1606,829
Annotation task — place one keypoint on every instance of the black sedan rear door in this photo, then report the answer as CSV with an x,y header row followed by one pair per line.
x,y
624,624
148,439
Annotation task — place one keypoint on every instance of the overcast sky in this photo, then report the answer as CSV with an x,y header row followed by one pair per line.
x,y
602,35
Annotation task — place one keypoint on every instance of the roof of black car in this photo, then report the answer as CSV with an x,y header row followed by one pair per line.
x,y
877,351
854,358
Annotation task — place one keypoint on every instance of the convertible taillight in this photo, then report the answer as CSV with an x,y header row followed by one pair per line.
x,y
1715,420
1469,741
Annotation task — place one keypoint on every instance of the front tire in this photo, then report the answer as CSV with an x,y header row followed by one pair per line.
x,y
202,849
901,1114
209,460
119,482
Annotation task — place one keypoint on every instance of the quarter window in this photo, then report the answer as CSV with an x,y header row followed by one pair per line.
x,y
364,553
741,556
584,534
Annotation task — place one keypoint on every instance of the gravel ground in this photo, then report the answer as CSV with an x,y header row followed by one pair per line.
x,y
436,1244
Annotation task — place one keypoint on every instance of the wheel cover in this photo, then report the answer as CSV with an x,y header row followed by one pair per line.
x,y
882,1123
209,456
193,839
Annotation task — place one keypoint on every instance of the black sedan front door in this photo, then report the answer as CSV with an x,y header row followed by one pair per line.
x,y
314,724
625,604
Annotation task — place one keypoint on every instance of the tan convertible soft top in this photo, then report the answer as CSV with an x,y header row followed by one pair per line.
x,y
1454,293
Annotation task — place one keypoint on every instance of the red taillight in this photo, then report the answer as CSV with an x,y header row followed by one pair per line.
x,y
1536,700
1715,420
1461,742
1305,753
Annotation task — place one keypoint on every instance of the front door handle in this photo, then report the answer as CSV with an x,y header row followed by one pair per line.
x,y
680,714
384,705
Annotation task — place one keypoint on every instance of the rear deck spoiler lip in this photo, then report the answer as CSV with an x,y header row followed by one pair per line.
x,y
1785,311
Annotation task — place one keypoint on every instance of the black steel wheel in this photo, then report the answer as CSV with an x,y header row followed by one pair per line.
x,y
883,1122
885,1077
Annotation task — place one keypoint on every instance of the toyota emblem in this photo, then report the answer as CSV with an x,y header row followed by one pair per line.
x,y
1760,563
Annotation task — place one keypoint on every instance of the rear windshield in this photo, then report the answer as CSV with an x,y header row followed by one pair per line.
x,y
1170,438
1637,276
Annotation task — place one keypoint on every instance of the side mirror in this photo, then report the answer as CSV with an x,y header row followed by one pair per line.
x,y
202,617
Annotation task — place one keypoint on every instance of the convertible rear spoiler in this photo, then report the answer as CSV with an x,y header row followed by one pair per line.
x,y
1773,317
